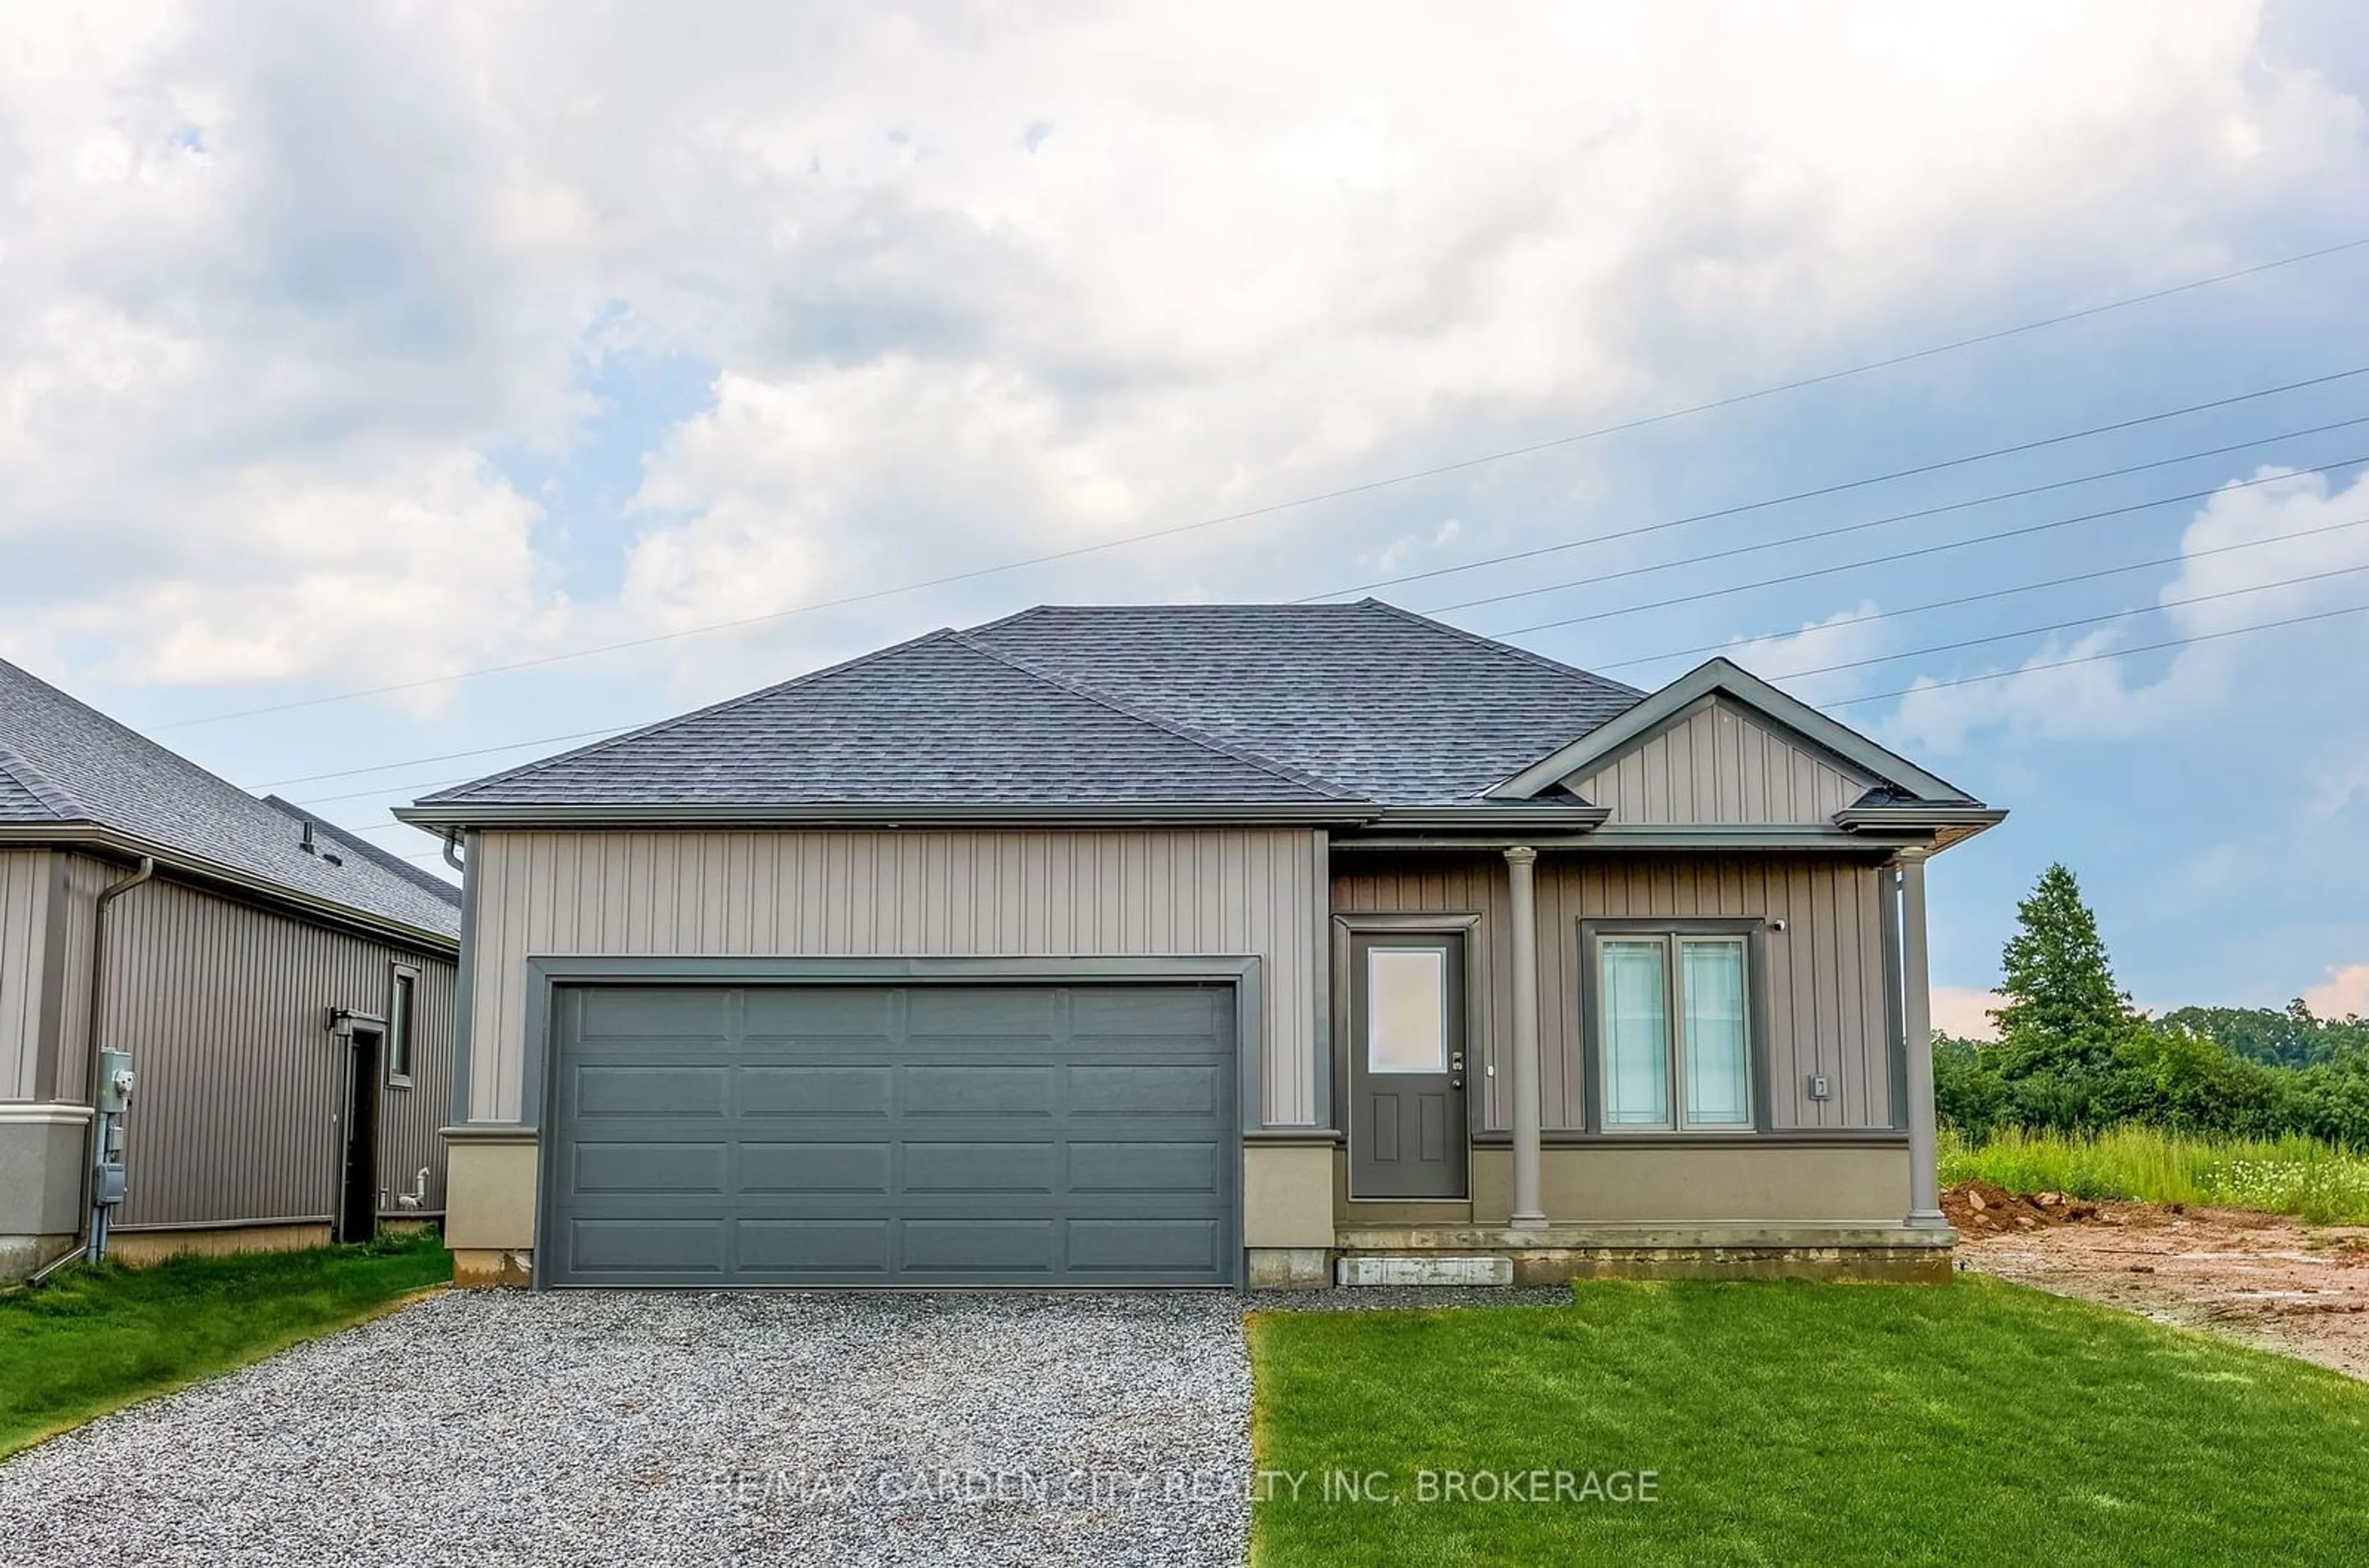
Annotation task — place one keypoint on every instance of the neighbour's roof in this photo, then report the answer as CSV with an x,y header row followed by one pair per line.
x,y
64,763
1297,704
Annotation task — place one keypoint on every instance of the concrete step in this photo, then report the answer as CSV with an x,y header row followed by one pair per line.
x,y
1434,1268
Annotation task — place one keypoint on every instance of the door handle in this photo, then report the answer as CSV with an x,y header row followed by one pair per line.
x,y
1455,1070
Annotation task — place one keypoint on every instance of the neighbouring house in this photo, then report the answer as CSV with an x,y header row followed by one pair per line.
x,y
1200,945
280,992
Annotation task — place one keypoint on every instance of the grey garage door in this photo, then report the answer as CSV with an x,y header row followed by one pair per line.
x,y
921,1134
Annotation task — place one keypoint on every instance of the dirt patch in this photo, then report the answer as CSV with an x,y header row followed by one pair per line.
x,y
1978,1208
2262,1278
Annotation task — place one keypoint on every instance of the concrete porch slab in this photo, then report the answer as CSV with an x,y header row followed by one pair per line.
x,y
1427,1269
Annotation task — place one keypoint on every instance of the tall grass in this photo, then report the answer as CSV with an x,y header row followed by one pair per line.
x,y
2298,1175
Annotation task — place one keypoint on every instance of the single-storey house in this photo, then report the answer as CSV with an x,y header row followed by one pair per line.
x,y
278,991
1195,944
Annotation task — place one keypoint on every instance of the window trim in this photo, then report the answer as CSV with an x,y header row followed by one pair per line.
x,y
1753,933
400,1034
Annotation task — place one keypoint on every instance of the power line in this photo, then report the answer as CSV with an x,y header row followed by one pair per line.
x,y
2055,664
2098,658
1945,508
380,791
2022,532
1882,659
1834,489
451,756
1648,528
2083,620
1954,602
1365,488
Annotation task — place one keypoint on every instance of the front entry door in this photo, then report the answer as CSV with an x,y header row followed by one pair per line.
x,y
1406,1067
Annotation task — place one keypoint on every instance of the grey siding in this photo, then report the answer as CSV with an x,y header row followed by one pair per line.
x,y
1826,986
81,880
224,1006
24,926
1207,892
1716,764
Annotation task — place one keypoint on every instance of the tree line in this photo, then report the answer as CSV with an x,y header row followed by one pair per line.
x,y
2074,1055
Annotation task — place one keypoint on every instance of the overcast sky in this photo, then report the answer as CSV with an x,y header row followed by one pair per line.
x,y
362,345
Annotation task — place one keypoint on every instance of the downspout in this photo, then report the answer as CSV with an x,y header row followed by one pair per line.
x,y
107,895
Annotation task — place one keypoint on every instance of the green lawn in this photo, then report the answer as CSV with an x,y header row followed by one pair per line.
x,y
1976,1422
2303,1176
91,1340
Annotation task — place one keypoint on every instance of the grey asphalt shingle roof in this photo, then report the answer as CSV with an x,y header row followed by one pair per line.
x,y
1243,704
1391,706
63,763
939,718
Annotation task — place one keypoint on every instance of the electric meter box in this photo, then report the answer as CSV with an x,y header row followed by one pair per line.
x,y
114,1082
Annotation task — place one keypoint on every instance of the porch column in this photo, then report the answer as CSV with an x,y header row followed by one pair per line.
x,y
1916,1023
1520,868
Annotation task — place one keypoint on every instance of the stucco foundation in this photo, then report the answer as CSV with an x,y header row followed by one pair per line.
x,y
42,1147
1758,1209
1288,1194
142,1247
484,1268
1761,1181
489,1185
1563,1252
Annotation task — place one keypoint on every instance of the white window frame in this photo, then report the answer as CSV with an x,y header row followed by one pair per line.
x,y
1672,937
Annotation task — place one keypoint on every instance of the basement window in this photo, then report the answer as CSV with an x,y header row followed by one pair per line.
x,y
1673,1025
402,1010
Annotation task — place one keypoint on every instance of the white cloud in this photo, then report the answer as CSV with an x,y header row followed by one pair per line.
x,y
1964,1013
2346,995
2266,552
993,284
2341,781
1846,637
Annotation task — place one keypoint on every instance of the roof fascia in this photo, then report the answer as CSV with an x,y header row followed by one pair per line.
x,y
1751,837
915,814
85,835
1946,825
1722,677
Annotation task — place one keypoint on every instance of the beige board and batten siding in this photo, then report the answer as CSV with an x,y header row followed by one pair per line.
x,y
1716,763
1826,979
24,941
1229,892
224,1006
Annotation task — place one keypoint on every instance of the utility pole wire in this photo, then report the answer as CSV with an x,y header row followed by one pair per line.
x,y
1365,488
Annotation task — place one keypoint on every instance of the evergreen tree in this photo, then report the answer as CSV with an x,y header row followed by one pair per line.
x,y
2063,1009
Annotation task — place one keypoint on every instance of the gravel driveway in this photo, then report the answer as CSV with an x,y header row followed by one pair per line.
x,y
492,1426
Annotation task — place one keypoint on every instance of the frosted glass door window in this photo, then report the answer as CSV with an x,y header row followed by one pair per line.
x,y
1718,1062
1406,1010
1636,1026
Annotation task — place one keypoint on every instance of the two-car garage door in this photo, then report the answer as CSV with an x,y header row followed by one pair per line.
x,y
914,1135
